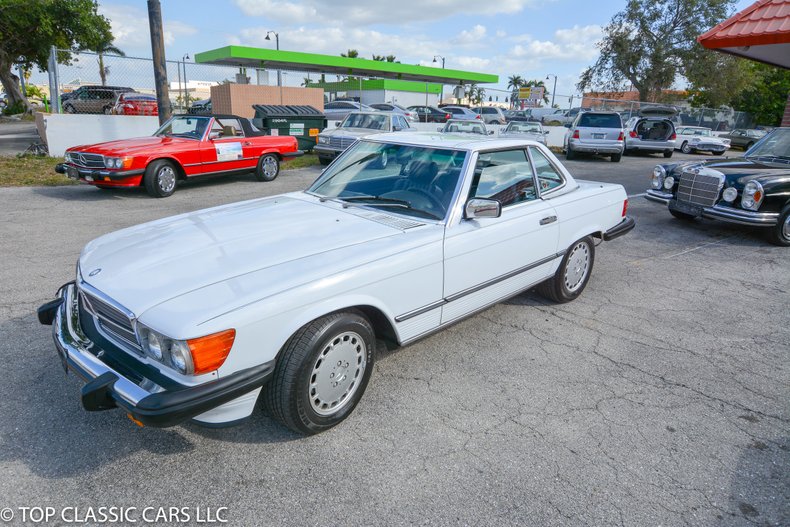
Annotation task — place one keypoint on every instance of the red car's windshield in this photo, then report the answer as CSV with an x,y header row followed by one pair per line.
x,y
184,126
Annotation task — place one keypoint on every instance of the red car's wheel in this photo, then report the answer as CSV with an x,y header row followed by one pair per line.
x,y
160,178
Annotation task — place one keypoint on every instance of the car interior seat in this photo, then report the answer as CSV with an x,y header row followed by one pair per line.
x,y
228,131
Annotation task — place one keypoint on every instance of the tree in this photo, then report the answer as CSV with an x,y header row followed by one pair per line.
x,y
475,94
766,97
650,43
379,58
101,49
350,54
514,82
391,58
29,29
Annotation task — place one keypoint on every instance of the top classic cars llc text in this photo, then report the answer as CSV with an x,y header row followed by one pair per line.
x,y
124,515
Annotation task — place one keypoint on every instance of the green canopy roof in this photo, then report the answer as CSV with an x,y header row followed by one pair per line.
x,y
243,56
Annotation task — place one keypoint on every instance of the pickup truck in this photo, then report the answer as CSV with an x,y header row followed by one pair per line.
x,y
287,298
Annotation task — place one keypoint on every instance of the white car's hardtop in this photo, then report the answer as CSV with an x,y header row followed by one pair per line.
x,y
468,142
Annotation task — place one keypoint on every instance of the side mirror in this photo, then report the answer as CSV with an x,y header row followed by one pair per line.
x,y
482,208
337,123
213,135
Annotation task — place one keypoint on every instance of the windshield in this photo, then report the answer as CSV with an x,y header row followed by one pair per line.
x,y
704,132
366,120
469,127
184,126
600,120
532,128
413,180
774,145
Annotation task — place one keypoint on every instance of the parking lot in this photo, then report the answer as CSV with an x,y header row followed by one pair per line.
x,y
659,397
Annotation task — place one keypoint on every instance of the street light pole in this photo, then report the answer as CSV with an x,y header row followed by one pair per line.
x,y
553,89
276,45
441,96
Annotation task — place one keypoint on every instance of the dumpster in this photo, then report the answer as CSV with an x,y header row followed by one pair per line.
x,y
302,122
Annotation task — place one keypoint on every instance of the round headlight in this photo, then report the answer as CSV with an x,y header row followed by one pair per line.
x,y
729,194
154,346
323,140
180,357
118,162
669,182
658,177
109,162
752,195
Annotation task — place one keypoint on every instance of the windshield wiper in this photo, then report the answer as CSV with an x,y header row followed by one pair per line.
x,y
381,201
770,159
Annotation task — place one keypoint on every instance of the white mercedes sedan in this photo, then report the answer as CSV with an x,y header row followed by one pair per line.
x,y
285,298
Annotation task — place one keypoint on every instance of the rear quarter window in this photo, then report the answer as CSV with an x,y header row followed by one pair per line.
x,y
592,120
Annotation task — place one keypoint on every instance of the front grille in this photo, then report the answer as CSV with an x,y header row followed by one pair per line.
x,y
86,160
112,321
709,146
699,189
341,142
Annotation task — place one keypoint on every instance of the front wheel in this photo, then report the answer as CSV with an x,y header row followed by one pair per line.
x,y
324,160
749,145
573,274
668,153
322,372
780,233
160,179
686,148
268,168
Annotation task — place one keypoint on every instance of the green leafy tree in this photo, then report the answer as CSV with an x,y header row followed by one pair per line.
x,y
514,82
650,43
29,28
350,54
391,58
766,97
379,58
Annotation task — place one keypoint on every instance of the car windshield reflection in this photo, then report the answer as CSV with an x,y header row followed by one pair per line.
x,y
184,126
775,147
412,180
366,120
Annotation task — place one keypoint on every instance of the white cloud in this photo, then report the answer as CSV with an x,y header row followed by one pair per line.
x,y
130,27
355,13
576,43
471,37
474,63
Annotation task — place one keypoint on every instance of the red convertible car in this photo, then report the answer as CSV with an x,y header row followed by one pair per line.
x,y
184,147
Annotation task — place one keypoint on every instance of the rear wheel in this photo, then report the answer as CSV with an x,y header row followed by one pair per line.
x,y
160,179
573,274
616,158
668,153
268,168
322,372
780,233
570,154
749,145
686,148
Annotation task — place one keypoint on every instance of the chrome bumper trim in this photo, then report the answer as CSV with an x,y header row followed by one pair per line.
x,y
723,213
658,196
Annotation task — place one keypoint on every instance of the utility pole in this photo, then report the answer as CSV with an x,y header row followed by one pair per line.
x,y
555,87
160,66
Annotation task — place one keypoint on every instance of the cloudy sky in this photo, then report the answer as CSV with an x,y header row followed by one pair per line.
x,y
532,38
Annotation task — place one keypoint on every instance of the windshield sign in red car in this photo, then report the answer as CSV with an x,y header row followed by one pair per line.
x,y
184,147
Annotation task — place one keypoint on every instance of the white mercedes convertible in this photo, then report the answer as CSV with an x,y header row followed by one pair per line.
x,y
286,298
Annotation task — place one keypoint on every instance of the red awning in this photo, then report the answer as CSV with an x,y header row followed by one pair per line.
x,y
759,32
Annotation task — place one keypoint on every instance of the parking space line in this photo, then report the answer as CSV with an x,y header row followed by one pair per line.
x,y
637,195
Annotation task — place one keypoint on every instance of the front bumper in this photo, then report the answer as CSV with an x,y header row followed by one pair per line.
x,y
106,388
327,151
722,212
92,175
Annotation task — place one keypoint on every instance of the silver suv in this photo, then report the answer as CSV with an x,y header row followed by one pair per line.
x,y
491,114
652,131
596,133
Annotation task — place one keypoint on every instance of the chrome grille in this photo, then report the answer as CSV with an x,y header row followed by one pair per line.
x,y
341,142
113,322
699,189
86,160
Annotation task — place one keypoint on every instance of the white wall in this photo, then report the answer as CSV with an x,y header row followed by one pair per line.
x,y
67,130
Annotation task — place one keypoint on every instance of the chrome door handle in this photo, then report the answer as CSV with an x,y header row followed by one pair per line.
x,y
247,143
548,219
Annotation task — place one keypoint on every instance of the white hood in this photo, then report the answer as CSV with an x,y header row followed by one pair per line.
x,y
151,263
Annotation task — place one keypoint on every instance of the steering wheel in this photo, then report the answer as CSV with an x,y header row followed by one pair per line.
x,y
434,205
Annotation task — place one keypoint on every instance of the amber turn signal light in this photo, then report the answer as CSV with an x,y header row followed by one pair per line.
x,y
209,352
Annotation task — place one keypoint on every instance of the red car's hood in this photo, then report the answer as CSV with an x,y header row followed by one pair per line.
x,y
132,146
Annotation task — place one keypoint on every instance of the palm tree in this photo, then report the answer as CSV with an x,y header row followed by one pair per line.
x,y
391,58
379,58
101,49
514,82
350,54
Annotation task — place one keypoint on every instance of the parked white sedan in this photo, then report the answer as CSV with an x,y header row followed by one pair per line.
x,y
284,298
699,139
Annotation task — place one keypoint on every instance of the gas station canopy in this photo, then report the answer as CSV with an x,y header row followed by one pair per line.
x,y
242,56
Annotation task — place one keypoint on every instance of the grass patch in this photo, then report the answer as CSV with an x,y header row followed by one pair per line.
x,y
306,160
28,171
556,149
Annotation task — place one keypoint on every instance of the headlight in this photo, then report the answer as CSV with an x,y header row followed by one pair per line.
x,y
192,356
729,194
109,162
323,140
669,182
118,162
752,195
658,177
695,140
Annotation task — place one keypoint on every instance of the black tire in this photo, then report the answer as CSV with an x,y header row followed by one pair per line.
x,y
557,288
628,152
324,160
668,153
570,154
749,145
780,233
289,395
103,187
686,148
717,153
160,179
681,215
268,168
69,109
616,158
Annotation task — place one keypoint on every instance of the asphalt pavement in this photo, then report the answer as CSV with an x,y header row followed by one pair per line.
x,y
659,397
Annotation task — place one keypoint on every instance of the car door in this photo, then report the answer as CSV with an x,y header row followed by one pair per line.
x,y
487,258
224,150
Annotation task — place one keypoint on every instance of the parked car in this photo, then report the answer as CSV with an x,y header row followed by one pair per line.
x,y
132,103
86,89
595,133
518,115
92,101
464,126
285,298
410,115
201,107
546,114
743,138
431,114
568,117
524,130
491,114
332,143
751,190
338,110
184,147
692,139
652,130
460,112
